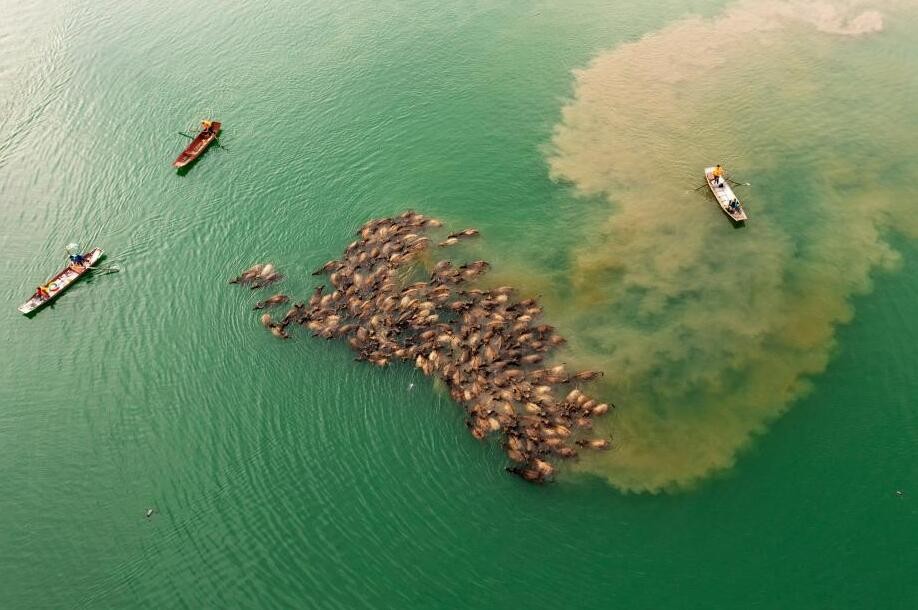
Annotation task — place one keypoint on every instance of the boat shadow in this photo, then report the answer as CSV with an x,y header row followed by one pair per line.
x,y
183,171
35,312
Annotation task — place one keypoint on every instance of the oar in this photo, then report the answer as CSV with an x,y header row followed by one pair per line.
x,y
112,269
701,187
735,183
181,133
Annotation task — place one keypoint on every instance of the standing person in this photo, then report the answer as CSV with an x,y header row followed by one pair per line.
x,y
718,174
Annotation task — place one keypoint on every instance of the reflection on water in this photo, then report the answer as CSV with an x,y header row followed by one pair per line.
x,y
707,334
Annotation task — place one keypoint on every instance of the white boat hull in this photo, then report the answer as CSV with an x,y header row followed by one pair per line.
x,y
60,282
724,195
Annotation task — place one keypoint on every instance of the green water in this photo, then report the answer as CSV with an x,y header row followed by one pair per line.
x,y
755,464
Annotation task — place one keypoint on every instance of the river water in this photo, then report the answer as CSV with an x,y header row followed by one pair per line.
x,y
764,376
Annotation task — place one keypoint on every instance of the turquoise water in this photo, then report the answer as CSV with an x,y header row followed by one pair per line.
x,y
756,468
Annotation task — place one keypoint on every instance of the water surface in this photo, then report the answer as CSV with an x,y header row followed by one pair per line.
x,y
767,442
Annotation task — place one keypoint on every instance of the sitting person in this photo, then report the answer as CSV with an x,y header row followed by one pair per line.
x,y
77,263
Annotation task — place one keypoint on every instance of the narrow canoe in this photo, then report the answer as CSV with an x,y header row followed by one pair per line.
x,y
198,145
60,282
724,195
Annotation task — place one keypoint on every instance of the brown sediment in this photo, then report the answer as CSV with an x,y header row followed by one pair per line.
x,y
709,333
485,345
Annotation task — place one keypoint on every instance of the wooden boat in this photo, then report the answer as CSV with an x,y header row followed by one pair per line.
x,y
724,195
60,282
209,132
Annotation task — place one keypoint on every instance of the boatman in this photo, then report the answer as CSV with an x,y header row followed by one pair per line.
x,y
205,125
77,263
718,174
42,293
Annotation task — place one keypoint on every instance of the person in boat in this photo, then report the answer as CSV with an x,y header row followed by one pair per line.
x,y
205,126
77,263
718,175
42,292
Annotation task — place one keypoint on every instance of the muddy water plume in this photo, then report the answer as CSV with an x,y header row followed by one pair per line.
x,y
706,332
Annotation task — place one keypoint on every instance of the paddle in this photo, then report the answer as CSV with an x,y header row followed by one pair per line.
x,y
111,269
735,183
181,133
